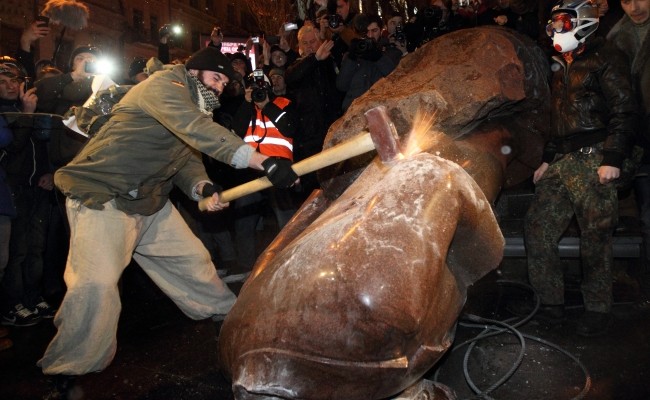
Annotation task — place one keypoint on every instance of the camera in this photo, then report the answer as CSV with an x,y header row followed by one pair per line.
x,y
432,15
256,39
91,67
169,29
103,66
334,21
366,49
464,3
260,86
290,26
29,83
43,21
399,34
272,39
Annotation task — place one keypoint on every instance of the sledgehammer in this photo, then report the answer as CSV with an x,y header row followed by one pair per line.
x,y
381,136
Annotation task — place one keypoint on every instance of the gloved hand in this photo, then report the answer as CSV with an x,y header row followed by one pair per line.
x,y
279,172
209,189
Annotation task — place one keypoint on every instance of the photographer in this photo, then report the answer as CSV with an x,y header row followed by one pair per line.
x,y
57,94
367,61
266,122
339,21
431,22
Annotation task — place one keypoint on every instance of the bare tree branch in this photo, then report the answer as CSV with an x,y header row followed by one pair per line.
x,y
271,14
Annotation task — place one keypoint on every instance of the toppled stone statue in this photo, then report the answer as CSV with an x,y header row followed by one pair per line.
x,y
358,296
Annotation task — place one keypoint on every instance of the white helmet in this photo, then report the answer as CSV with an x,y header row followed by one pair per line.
x,y
572,21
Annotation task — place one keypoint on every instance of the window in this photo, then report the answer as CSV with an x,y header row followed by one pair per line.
x,y
153,28
138,20
231,13
196,40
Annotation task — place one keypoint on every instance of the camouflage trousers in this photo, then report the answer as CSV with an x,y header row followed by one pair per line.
x,y
570,187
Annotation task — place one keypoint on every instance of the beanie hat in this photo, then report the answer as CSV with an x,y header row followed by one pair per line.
x,y
137,66
238,56
11,66
275,48
276,71
210,59
86,48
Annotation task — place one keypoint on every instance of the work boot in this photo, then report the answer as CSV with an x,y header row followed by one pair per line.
x,y
593,323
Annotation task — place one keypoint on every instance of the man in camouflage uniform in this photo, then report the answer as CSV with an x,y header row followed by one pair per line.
x,y
593,117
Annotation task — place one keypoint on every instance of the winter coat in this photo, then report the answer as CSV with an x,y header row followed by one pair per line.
x,y
56,95
6,202
637,50
312,85
358,74
25,158
151,143
592,100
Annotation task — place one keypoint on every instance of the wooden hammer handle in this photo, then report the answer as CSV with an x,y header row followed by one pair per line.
x,y
358,145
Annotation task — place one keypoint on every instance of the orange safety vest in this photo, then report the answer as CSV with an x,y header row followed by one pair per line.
x,y
263,135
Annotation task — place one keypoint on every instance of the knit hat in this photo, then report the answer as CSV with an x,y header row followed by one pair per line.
x,y
86,48
276,71
210,59
137,66
11,67
238,56
7,71
275,48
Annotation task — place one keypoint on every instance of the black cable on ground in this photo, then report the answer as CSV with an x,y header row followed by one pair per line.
x,y
493,328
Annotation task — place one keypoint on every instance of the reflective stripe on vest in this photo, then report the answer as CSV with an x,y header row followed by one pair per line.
x,y
267,139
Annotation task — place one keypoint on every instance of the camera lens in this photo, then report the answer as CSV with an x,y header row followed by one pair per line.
x,y
334,21
258,95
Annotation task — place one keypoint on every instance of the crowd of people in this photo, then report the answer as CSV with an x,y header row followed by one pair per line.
x,y
91,205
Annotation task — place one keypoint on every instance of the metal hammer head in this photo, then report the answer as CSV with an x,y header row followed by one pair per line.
x,y
383,134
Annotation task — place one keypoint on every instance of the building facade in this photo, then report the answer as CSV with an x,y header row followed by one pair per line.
x,y
126,29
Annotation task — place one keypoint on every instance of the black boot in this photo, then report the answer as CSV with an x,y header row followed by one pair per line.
x,y
593,323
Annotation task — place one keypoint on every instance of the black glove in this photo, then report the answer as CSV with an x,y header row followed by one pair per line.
x,y
209,189
279,172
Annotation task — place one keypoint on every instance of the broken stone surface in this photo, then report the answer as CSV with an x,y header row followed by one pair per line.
x,y
358,296
463,81
362,303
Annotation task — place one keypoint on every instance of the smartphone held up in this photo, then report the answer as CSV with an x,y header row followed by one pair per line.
x,y
42,21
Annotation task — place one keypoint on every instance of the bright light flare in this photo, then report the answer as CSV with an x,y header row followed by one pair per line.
x,y
105,66
420,138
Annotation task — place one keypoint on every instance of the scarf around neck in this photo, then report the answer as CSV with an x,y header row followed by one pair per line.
x,y
207,99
